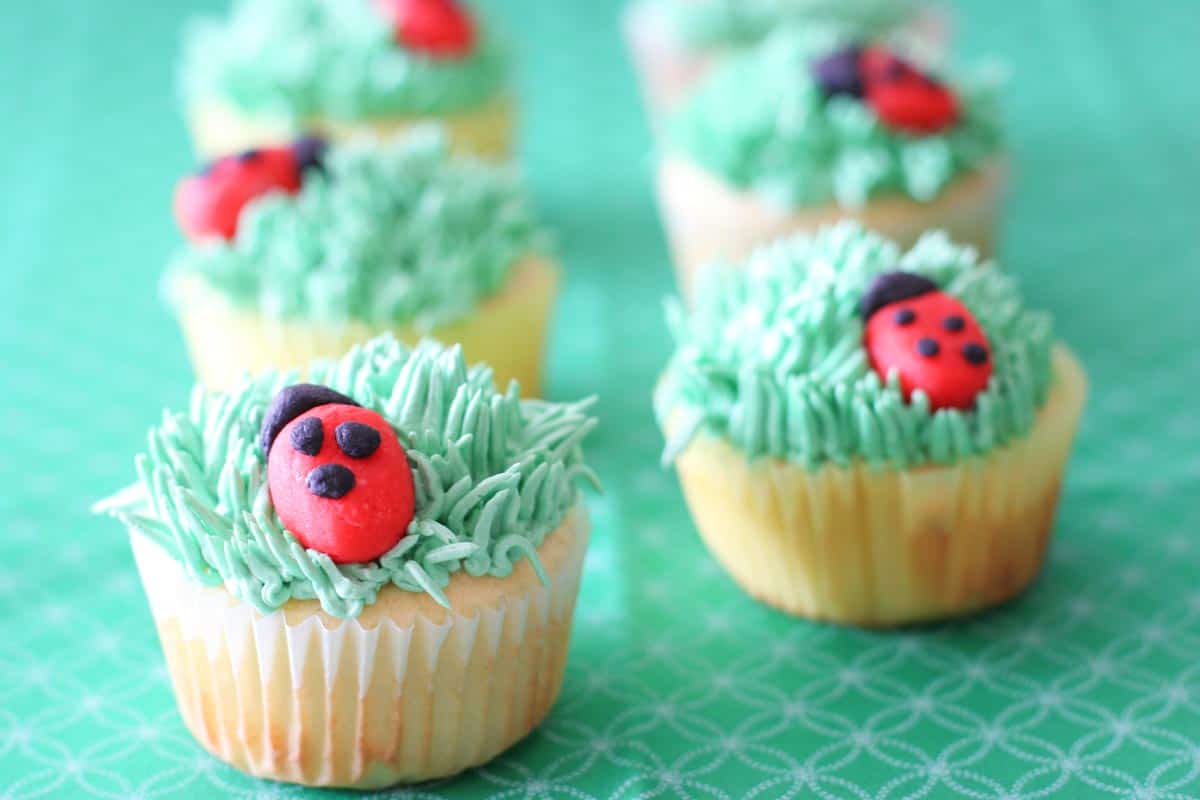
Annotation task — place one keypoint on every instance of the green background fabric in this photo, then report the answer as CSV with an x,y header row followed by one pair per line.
x,y
678,685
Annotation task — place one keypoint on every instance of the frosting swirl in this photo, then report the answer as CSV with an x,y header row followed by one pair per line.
x,y
493,475
396,232
762,124
772,357
301,59
716,23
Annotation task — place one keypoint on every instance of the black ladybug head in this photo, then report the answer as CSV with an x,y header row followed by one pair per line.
x,y
290,403
310,153
892,287
840,72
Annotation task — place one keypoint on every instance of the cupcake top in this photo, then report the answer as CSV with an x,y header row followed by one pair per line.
x,y
805,119
395,466
700,24
344,59
839,348
392,233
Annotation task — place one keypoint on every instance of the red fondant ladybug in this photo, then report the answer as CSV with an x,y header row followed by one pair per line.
x,y
902,96
338,477
209,203
437,28
927,336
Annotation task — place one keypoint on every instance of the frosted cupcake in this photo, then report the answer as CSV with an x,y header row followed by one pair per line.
x,y
297,253
866,435
675,43
274,69
368,579
795,135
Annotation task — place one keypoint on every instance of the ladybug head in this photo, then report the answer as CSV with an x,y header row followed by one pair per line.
x,y
290,404
338,477
892,287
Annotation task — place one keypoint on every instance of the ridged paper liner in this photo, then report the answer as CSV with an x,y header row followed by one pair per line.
x,y
882,546
408,691
709,221
219,129
507,331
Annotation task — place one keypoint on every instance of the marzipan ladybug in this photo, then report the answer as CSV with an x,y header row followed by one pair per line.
x,y
930,338
339,479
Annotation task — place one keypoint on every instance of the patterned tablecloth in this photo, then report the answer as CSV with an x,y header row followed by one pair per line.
x,y
678,685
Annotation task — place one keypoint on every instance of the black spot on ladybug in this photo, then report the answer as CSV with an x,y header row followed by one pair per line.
x,y
954,323
356,439
308,436
928,347
331,481
975,353
905,316
290,403
310,153
892,287
249,155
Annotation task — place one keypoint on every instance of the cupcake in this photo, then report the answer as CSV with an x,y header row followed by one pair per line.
x,y
796,135
297,253
867,435
674,43
275,69
368,579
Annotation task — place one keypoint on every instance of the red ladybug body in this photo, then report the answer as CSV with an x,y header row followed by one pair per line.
x,y
209,203
437,28
905,98
340,480
930,338
902,96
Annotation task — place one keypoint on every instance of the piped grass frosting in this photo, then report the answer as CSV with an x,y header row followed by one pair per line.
x,y
301,59
721,23
394,232
772,358
762,123
493,475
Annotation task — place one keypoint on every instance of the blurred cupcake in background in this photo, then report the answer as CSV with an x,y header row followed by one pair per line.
x,y
297,253
274,69
369,579
806,130
868,435
675,43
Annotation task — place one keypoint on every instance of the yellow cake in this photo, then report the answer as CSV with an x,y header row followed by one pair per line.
x,y
870,436
352,588
804,131
270,72
395,236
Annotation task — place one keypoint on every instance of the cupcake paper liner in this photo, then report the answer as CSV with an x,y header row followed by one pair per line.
x,y
219,129
881,546
408,691
708,221
508,331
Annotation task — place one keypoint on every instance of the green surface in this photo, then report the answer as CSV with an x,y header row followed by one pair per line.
x,y
678,685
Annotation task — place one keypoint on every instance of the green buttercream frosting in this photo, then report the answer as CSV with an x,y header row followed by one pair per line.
x,y
493,475
330,58
723,23
391,232
761,123
772,357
